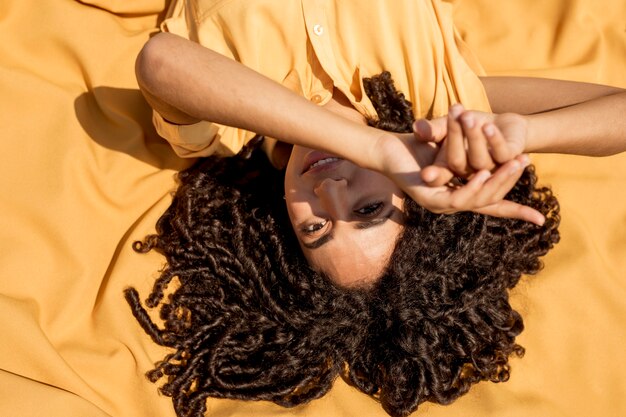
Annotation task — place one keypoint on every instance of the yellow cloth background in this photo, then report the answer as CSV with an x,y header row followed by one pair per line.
x,y
84,174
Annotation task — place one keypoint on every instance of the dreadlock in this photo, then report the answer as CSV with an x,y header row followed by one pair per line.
x,y
249,319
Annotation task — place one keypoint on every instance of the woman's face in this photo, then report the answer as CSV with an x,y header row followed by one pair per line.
x,y
347,219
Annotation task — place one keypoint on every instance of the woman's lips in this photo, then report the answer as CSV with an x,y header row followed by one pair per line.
x,y
317,161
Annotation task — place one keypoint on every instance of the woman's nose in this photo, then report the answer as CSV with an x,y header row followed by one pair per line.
x,y
333,196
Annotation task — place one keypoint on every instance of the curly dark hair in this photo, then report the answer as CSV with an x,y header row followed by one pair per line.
x,y
249,319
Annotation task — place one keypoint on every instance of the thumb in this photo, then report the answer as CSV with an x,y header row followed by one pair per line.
x,y
434,130
438,173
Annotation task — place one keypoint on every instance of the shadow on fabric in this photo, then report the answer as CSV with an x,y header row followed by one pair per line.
x,y
120,119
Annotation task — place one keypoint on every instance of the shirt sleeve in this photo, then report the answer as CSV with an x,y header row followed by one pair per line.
x,y
203,138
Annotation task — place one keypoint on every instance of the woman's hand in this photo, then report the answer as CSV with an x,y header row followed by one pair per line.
x,y
403,159
471,141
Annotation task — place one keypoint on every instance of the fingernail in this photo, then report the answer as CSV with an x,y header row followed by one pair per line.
x,y
429,176
468,121
422,128
489,130
525,160
515,166
483,176
456,110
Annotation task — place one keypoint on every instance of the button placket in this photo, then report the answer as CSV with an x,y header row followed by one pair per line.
x,y
319,36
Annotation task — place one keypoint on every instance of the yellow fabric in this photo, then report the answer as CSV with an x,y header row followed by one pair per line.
x,y
84,174
311,46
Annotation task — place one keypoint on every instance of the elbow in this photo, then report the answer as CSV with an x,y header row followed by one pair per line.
x,y
152,63
158,69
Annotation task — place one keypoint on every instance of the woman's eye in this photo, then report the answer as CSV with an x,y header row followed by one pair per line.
x,y
312,228
370,210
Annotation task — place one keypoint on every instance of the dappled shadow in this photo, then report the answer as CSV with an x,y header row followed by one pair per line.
x,y
121,120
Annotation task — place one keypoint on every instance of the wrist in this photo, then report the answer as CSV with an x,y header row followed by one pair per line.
x,y
533,140
382,151
395,150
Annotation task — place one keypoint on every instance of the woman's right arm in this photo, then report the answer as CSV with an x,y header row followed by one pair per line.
x,y
186,82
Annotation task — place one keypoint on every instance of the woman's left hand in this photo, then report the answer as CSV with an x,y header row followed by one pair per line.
x,y
471,141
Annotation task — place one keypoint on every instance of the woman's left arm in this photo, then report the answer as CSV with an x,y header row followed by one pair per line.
x,y
563,116
528,95
529,115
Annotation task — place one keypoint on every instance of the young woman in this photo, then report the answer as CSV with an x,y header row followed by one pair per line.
x,y
256,75
353,275
250,319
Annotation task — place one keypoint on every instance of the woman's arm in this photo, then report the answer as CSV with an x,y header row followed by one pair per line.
x,y
530,115
563,116
186,82
528,95
594,128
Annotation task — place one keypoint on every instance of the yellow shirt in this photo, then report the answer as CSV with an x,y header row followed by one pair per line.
x,y
311,46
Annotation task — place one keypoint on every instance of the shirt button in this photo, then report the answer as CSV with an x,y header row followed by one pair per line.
x,y
317,99
318,30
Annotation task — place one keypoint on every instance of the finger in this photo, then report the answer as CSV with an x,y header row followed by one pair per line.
x,y
510,176
439,200
512,210
499,148
434,130
448,200
438,173
501,182
478,151
485,189
462,198
456,155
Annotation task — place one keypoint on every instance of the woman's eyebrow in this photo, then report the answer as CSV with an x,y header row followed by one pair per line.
x,y
360,226
376,221
318,242
372,223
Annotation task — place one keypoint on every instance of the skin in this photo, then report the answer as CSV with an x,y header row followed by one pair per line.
x,y
186,82
531,115
347,218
